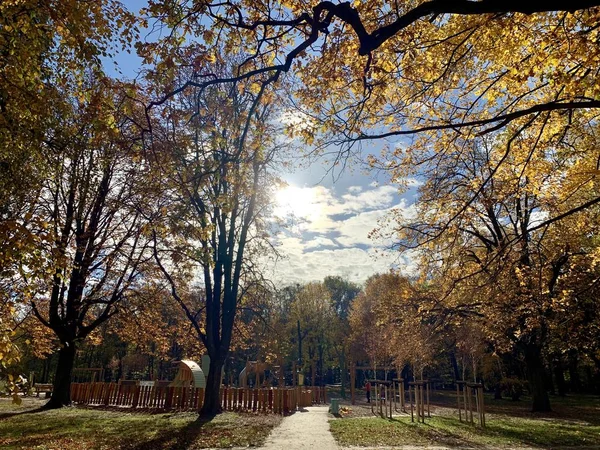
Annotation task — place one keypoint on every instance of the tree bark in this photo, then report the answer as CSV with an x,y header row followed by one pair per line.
x,y
343,374
535,376
454,363
61,390
498,391
575,385
212,394
559,374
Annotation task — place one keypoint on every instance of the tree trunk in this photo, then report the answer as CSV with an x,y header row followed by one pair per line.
x,y
454,364
299,346
61,390
320,366
498,391
559,374
343,374
574,371
212,394
535,376
45,370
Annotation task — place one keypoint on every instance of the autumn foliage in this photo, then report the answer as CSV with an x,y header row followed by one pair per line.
x,y
136,214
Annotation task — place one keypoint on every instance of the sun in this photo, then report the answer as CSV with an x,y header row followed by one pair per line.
x,y
295,201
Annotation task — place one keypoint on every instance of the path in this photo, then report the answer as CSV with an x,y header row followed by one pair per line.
x,y
309,429
306,429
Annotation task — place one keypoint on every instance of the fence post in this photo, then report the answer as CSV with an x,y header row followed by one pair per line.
x,y
410,399
458,402
136,396
169,397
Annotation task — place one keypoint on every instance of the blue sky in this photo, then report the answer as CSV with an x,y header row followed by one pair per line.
x,y
330,217
330,231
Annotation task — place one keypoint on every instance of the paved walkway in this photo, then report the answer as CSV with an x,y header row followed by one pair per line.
x,y
309,429
306,429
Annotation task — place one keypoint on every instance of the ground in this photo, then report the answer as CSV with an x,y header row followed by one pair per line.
x,y
574,422
25,427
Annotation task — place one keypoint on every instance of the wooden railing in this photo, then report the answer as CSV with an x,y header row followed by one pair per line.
x,y
131,394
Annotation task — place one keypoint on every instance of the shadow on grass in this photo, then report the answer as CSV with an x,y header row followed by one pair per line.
x,y
439,436
176,439
517,431
580,408
8,415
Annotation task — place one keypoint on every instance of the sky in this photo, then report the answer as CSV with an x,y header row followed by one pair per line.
x,y
330,218
329,222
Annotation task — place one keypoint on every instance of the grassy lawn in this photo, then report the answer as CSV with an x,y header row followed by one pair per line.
x,y
574,423
26,427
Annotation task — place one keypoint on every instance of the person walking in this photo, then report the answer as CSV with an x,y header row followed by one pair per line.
x,y
368,391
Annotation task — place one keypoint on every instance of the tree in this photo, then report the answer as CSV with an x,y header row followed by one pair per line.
x,y
342,294
215,194
312,321
441,59
93,209
440,70
366,325
44,47
505,255
445,73
398,321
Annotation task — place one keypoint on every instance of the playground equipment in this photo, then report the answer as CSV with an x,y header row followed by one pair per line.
x,y
354,368
399,395
467,391
189,374
256,368
381,402
420,391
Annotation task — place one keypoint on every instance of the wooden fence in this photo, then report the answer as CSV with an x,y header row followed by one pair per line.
x,y
133,395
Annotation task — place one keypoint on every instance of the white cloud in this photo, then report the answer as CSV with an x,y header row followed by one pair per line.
x,y
319,241
332,234
538,217
352,263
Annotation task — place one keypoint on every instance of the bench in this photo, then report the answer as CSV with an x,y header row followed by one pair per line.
x,y
46,388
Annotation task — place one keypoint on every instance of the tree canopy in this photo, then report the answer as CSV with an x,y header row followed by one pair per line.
x,y
165,184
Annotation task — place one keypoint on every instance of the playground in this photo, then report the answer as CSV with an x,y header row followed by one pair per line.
x,y
275,406
288,405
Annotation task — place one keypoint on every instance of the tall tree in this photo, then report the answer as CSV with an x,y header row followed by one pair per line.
x,y
312,321
444,71
342,293
93,207
44,47
216,190
503,255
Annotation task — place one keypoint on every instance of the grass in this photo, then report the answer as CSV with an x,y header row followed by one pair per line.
x,y
449,431
26,427
575,422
